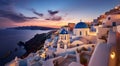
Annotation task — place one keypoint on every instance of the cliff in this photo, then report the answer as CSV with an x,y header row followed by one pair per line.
x,y
36,43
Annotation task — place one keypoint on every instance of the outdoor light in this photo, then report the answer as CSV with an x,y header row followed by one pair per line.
x,y
43,55
46,49
112,55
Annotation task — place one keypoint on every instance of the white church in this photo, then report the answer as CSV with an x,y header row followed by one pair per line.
x,y
67,41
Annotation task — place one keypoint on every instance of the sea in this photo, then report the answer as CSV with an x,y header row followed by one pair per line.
x,y
8,43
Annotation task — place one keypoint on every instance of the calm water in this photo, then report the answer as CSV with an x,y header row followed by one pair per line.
x,y
10,38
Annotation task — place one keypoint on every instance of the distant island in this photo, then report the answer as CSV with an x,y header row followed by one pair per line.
x,y
32,28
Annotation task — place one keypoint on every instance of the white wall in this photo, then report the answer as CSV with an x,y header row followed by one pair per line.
x,y
113,18
65,40
84,31
102,31
118,28
76,42
100,56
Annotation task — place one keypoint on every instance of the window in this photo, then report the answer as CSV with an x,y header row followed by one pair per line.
x,y
62,38
109,18
113,23
77,45
86,32
80,33
65,37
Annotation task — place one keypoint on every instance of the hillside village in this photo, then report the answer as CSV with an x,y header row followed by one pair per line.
x,y
80,45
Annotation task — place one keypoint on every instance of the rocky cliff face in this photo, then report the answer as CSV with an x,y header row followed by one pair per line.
x,y
36,43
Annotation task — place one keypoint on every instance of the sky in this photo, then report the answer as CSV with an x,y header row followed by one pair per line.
x,y
51,13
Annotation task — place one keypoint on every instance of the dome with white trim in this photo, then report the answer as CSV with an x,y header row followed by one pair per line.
x,y
81,25
63,31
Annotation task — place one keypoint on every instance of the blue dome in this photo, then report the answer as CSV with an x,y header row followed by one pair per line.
x,y
63,31
81,25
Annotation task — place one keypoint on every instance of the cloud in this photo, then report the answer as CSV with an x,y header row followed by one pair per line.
x,y
5,22
35,12
52,15
7,11
54,18
52,12
17,17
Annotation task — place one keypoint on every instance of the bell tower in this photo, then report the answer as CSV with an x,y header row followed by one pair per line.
x,y
64,39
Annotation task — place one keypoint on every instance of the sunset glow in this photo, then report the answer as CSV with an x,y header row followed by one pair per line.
x,y
51,13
